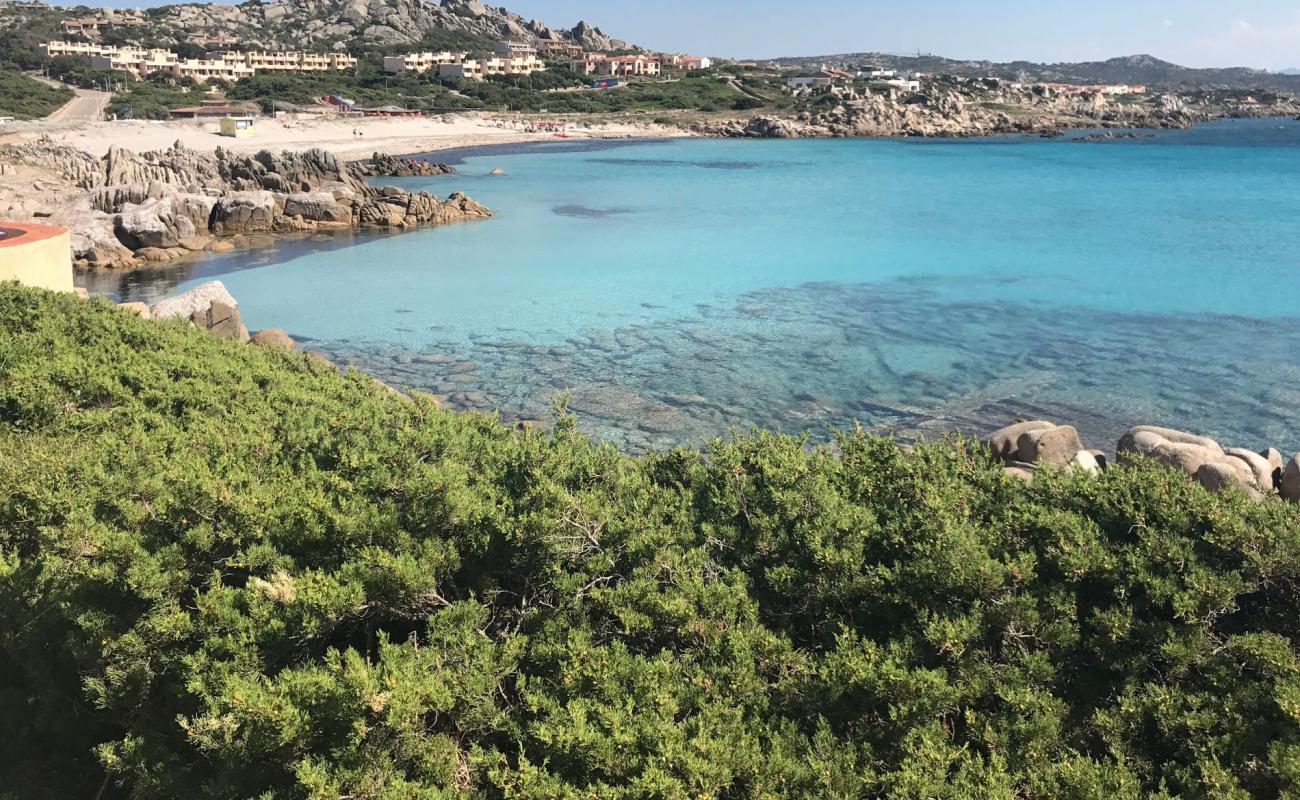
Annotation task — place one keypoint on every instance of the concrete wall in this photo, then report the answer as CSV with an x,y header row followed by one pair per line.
x,y
36,255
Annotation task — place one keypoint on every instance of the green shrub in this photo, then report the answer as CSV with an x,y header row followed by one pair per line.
x,y
24,98
153,98
228,572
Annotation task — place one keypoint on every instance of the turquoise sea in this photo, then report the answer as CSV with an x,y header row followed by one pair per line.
x,y
680,289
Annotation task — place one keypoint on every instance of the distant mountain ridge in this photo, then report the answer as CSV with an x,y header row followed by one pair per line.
x,y
356,24
1136,69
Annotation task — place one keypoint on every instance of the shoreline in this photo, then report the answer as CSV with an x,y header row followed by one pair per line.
x,y
348,140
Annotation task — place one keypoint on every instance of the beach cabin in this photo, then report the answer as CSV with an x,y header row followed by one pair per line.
x,y
237,127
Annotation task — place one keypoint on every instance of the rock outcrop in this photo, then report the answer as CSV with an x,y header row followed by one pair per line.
x,y
949,106
273,337
326,24
382,165
153,207
1029,446
209,306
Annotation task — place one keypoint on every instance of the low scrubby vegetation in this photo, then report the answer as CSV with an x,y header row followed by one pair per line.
x,y
155,97
24,98
228,572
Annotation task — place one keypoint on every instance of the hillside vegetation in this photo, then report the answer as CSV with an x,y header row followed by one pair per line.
x,y
228,572
24,98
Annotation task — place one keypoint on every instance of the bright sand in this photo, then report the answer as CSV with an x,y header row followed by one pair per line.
x,y
390,135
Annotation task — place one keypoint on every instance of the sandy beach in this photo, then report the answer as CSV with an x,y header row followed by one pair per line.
x,y
295,132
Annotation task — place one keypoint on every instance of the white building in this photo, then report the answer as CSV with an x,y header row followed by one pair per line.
x,y
902,84
810,82
477,69
420,63
514,49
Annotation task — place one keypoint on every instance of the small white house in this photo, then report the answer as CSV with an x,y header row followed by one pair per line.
x,y
810,82
901,84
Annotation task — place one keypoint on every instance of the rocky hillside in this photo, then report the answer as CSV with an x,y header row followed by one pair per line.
x,y
1139,69
360,24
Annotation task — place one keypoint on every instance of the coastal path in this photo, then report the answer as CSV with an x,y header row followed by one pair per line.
x,y
87,106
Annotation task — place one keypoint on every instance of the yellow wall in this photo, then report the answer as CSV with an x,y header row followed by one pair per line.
x,y
42,257
231,127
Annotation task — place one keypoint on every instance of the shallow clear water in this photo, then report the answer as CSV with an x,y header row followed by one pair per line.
x,y
682,288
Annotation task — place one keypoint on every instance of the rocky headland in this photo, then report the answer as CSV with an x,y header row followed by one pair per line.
x,y
130,209
956,107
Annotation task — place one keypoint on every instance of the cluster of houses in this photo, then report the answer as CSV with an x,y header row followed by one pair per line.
x,y
828,77
517,58
91,27
508,58
226,65
622,66
1113,89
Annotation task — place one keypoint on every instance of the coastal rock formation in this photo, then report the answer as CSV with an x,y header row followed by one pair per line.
x,y
1177,449
160,205
949,106
382,165
209,306
1290,482
175,220
1028,446
1055,447
244,212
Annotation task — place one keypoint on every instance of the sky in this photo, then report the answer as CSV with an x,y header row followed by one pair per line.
x,y
1196,33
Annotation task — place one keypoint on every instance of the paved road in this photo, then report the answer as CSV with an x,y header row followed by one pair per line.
x,y
87,106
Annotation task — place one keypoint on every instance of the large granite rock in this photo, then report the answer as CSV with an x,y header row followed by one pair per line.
x,y
174,220
1228,473
1290,482
1261,470
382,165
274,338
318,206
245,212
1005,443
94,241
1053,447
209,306
1184,451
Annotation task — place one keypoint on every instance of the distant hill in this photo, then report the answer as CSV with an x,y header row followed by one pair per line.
x,y
1139,69
1292,71
355,25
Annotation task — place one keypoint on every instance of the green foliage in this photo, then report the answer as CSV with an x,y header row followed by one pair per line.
x,y
706,94
229,572
369,89
22,30
76,71
24,98
153,98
